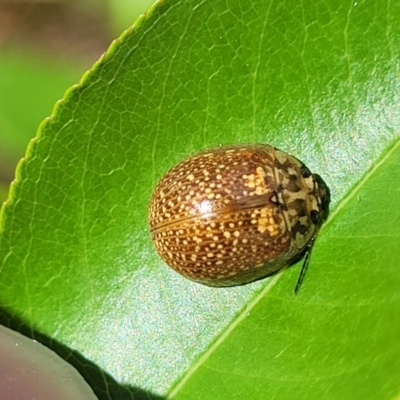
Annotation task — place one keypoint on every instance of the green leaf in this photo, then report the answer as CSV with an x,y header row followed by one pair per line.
x,y
339,337
320,81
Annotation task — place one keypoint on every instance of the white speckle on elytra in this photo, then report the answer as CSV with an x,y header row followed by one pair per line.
x,y
239,232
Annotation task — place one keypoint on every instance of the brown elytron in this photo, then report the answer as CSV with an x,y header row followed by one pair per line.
x,y
234,214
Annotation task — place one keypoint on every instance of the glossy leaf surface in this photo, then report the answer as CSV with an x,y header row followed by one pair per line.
x,y
320,81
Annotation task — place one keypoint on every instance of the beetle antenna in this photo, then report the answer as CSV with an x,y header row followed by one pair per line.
x,y
304,266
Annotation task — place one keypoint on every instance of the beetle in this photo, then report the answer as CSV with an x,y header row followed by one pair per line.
x,y
234,214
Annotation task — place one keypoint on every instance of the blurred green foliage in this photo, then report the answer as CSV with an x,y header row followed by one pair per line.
x,y
33,79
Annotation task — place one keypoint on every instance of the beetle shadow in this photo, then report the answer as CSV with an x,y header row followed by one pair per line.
x,y
103,385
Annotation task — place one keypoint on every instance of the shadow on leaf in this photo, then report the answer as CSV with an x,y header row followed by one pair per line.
x,y
102,384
